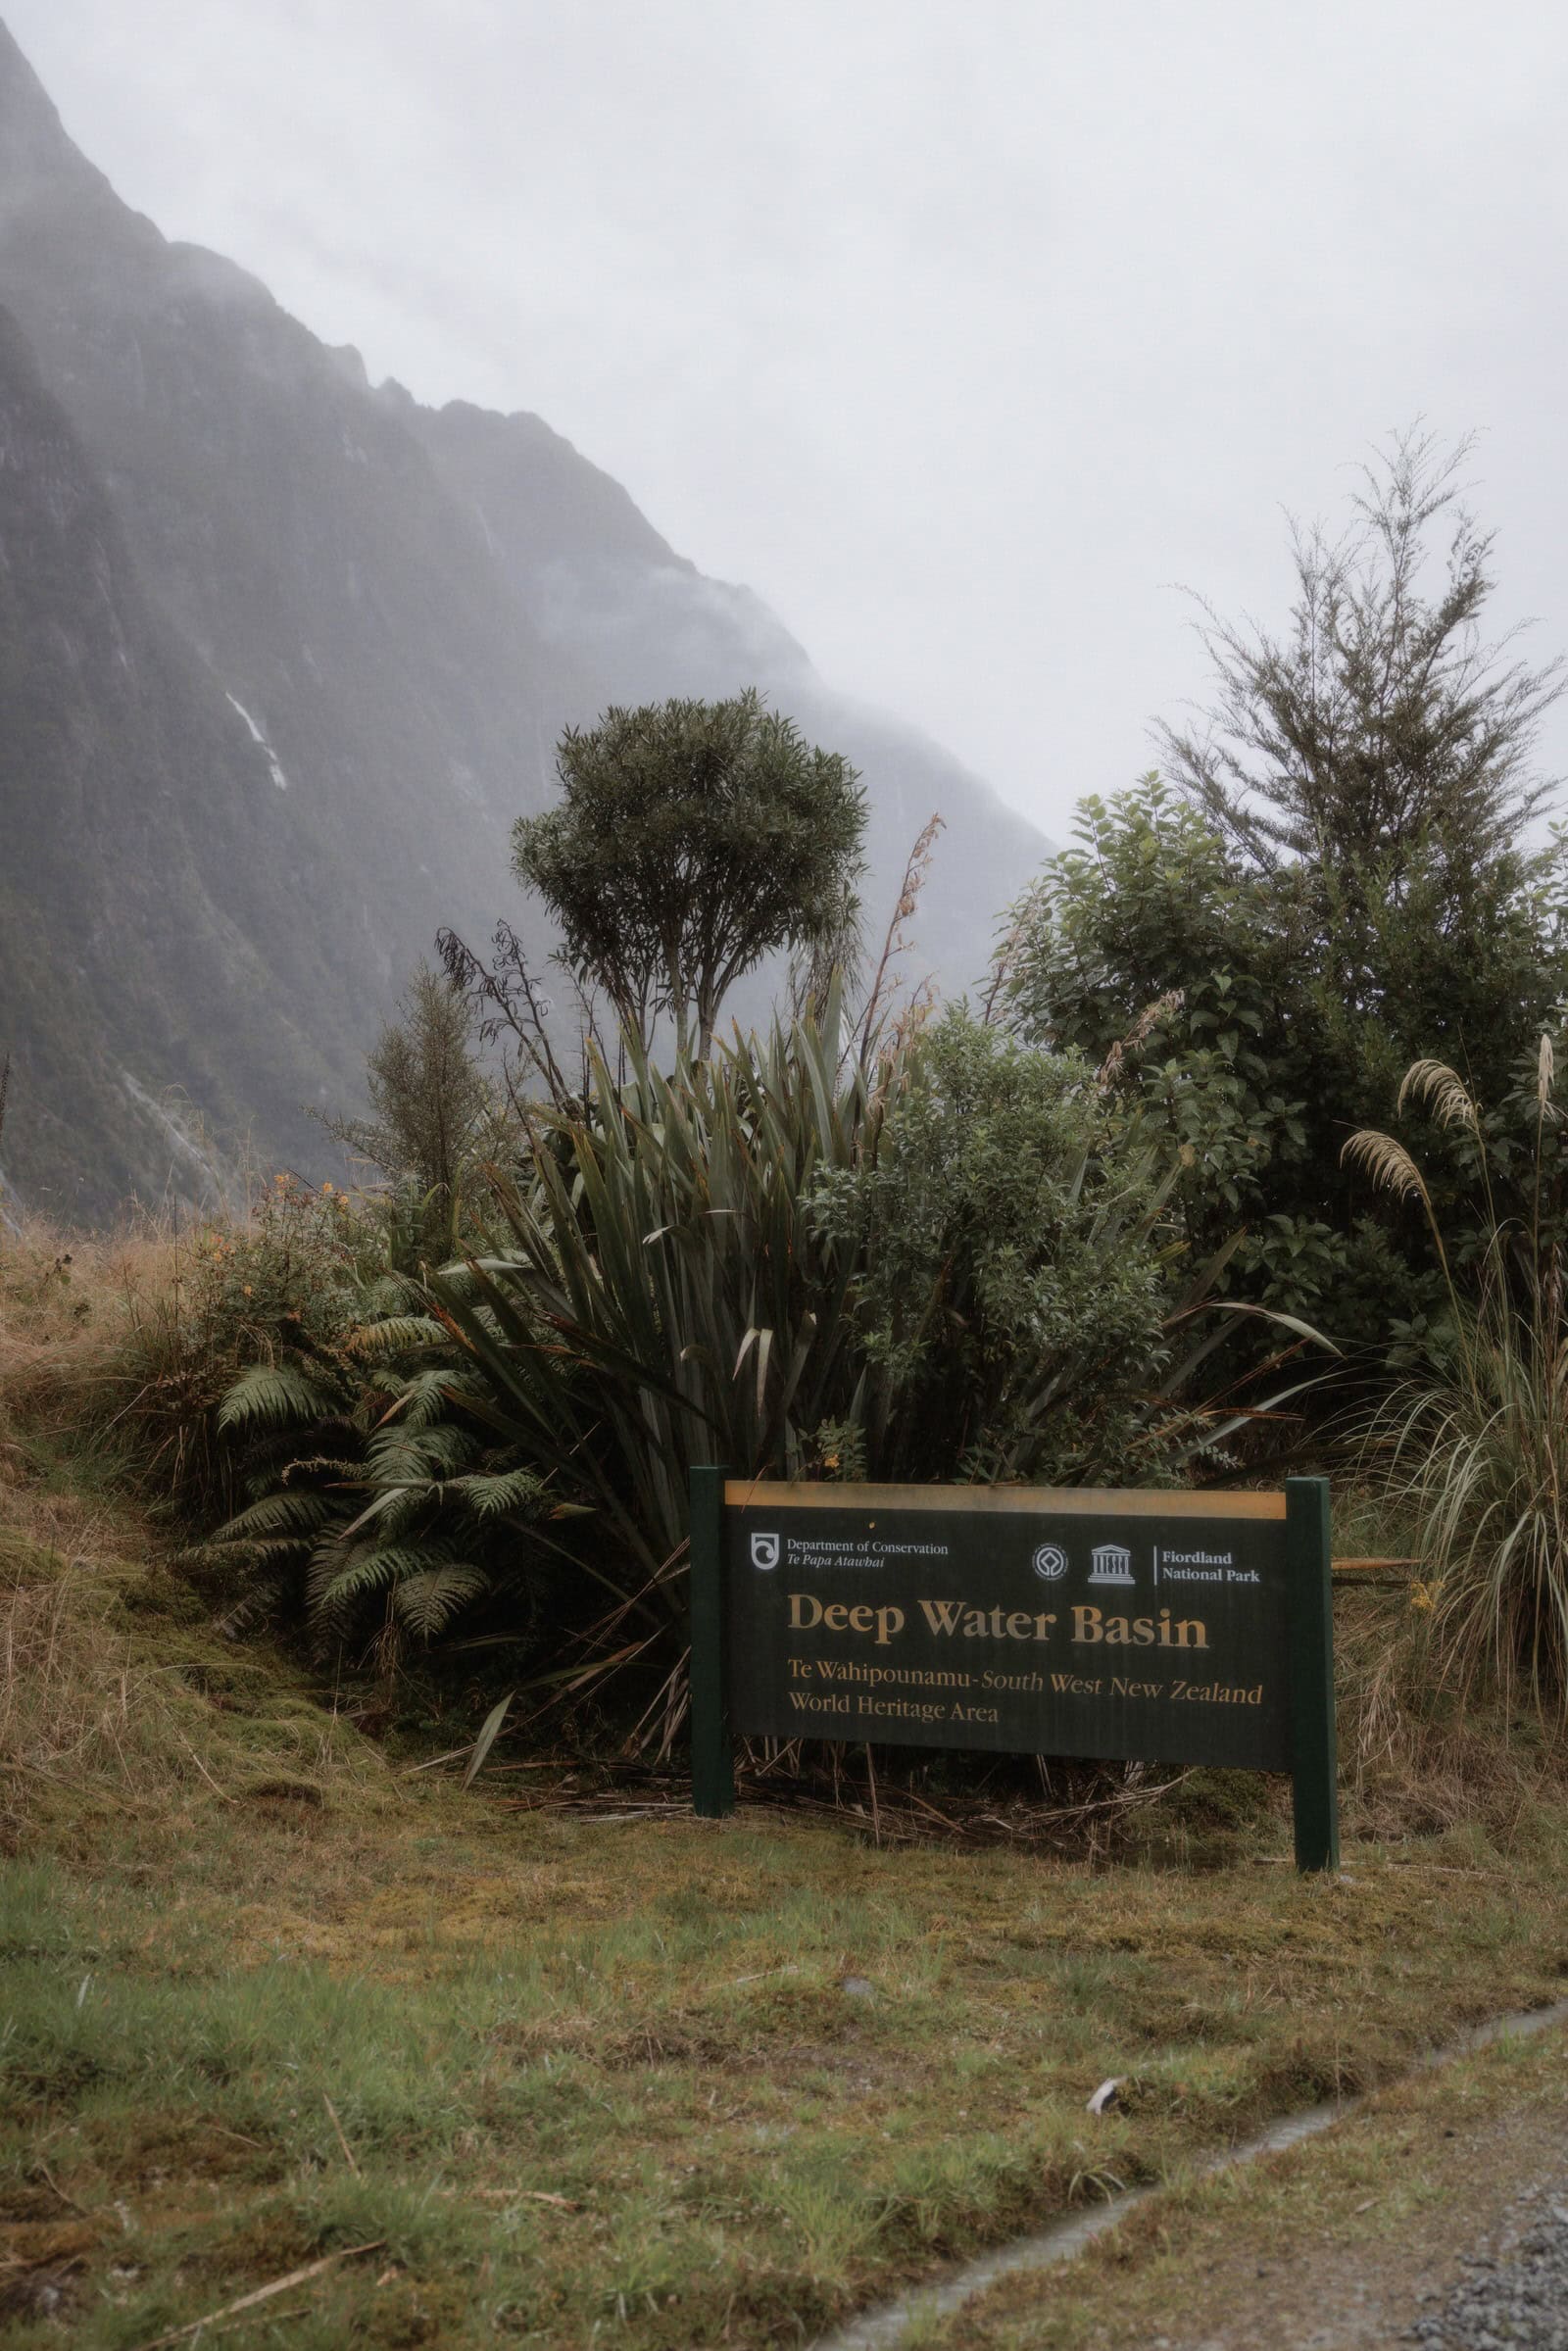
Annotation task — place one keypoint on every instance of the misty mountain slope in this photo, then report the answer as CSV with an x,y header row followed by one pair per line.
x,y
349,633
293,531
145,896
594,576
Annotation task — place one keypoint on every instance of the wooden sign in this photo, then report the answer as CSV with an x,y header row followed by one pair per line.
x,y
1179,1628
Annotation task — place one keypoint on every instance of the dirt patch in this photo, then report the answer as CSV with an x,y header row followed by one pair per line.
x,y
1324,2293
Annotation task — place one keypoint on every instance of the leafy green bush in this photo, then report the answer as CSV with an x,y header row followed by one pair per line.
x,y
1013,1272
433,1119
1239,1020
1337,874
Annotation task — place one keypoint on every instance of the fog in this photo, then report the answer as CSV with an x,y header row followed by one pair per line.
x,y
964,335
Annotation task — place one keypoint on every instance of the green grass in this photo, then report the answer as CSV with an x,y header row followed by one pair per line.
x,y
1297,2241
601,2080
650,2025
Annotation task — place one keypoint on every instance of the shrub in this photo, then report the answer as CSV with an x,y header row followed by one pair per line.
x,y
381,1507
1335,875
433,1119
1012,1276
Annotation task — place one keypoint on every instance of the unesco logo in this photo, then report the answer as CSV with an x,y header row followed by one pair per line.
x,y
1051,1561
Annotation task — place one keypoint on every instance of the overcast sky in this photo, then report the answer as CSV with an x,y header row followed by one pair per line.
x,y
963,330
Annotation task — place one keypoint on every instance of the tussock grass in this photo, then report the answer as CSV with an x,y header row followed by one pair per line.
x,y
118,1702
1416,1760
80,1319
1472,1445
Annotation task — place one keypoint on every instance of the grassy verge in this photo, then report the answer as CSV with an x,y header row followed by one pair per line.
x,y
1346,2238
640,2081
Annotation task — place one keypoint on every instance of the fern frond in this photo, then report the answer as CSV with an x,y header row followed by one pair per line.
x,y
426,1400
270,1551
394,1508
339,1574
429,1601
395,1336
494,1496
276,1514
371,1567
422,1456
1444,1093
253,1604
268,1395
388,1295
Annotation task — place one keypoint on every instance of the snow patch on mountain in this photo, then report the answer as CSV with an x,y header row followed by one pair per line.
x,y
256,736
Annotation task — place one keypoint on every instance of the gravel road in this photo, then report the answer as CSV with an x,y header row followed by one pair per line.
x,y
1517,2296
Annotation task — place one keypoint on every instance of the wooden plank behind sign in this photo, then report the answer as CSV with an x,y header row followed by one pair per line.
x,y
982,1501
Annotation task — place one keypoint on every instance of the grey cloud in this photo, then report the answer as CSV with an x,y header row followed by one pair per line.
x,y
958,332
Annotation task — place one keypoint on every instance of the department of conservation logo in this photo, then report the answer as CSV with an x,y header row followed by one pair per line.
x,y
1051,1561
765,1550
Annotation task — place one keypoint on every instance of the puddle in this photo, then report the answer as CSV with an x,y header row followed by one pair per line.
x,y
883,2328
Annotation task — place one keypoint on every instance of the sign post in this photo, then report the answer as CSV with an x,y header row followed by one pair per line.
x,y
1313,1776
712,1751
1169,1627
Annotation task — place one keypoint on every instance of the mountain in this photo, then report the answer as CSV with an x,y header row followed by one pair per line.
x,y
281,656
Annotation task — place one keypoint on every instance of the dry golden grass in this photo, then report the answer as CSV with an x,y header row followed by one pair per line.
x,y
119,1704
117,1351
1414,1759
70,1309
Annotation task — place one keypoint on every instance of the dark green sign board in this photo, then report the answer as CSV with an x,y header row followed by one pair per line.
x,y
1180,1627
